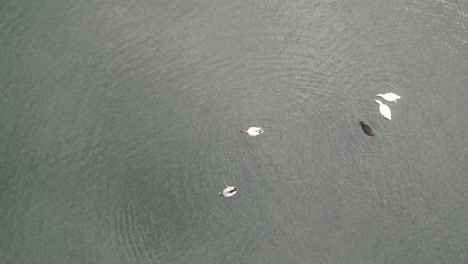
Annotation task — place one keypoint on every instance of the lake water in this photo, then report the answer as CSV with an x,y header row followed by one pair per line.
x,y
121,119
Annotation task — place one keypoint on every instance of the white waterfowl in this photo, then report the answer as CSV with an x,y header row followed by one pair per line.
x,y
384,110
229,191
253,131
390,96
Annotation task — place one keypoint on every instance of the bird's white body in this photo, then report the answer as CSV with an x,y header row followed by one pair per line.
x,y
229,191
390,97
253,131
384,110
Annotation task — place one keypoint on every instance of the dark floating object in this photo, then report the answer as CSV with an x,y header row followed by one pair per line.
x,y
366,128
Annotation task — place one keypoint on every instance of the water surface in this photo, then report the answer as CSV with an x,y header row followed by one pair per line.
x,y
121,123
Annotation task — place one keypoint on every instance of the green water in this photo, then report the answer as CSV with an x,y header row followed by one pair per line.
x,y
120,124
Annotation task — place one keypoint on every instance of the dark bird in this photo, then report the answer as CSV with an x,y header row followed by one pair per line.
x,y
366,128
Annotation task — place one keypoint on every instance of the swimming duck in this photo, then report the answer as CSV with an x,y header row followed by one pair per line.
x,y
253,131
390,96
366,128
229,191
384,110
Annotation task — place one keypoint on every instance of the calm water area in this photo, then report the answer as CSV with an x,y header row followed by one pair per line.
x,y
120,124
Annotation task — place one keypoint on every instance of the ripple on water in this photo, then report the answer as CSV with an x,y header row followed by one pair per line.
x,y
152,122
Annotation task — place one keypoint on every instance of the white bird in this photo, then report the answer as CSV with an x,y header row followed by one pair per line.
x,y
229,191
253,131
384,110
390,96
